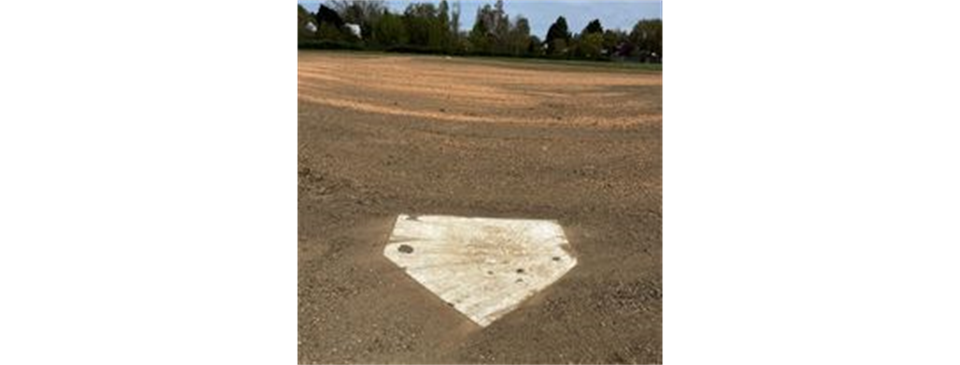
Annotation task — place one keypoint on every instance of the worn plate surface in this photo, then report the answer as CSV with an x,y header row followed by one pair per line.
x,y
483,267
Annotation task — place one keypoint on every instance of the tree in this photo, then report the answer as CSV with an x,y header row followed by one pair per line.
x,y
361,12
558,32
435,27
519,37
389,31
330,32
500,21
479,36
419,19
496,25
593,27
455,19
358,11
647,36
557,47
352,13
611,40
442,26
535,48
443,13
306,24
590,45
658,40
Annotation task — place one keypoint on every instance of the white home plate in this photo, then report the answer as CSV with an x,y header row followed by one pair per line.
x,y
483,267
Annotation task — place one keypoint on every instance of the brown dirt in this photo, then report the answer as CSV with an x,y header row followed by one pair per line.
x,y
381,135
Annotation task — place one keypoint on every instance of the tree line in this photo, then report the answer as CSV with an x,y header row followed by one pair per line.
x,y
435,28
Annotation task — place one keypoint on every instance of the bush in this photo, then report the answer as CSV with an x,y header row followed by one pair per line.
x,y
414,49
327,44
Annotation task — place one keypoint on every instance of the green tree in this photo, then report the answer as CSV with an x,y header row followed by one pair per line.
x,y
658,39
500,23
455,20
305,21
441,29
497,28
443,13
558,32
535,48
479,37
420,19
361,12
593,27
611,41
329,32
590,45
557,48
647,37
519,37
389,31
351,12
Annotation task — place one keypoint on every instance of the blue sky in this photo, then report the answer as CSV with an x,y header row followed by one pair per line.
x,y
621,14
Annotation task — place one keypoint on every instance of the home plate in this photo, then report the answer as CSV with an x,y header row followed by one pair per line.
x,y
483,267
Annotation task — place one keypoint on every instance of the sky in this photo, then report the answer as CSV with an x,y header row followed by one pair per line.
x,y
622,14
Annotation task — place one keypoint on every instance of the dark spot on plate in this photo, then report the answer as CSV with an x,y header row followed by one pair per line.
x,y
489,272
519,280
556,258
405,249
519,271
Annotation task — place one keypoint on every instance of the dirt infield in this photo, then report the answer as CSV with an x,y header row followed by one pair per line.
x,y
381,135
